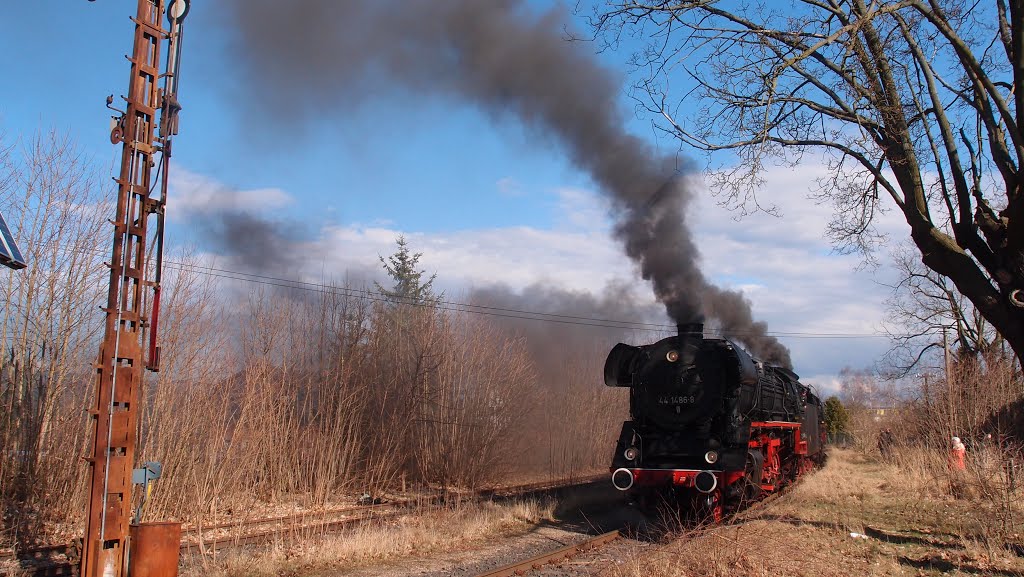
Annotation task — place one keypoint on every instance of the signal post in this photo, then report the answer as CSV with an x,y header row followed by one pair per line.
x,y
145,154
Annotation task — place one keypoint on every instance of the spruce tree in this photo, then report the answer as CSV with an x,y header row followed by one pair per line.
x,y
409,285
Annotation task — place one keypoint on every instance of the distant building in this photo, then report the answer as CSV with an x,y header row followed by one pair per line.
x,y
880,413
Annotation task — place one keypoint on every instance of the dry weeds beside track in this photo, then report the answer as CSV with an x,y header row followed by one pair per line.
x,y
61,559
599,555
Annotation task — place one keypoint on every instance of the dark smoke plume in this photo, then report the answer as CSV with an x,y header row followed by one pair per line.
x,y
732,311
551,343
253,243
306,57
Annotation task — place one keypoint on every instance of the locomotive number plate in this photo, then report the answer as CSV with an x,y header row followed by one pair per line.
x,y
677,400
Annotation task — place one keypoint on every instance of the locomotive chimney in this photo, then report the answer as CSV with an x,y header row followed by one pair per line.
x,y
690,337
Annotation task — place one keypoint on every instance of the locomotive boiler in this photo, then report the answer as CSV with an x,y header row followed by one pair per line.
x,y
710,425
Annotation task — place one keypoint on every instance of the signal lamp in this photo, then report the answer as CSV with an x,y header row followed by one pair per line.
x,y
711,456
178,9
631,453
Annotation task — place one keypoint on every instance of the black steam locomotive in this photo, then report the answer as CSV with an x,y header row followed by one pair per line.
x,y
710,425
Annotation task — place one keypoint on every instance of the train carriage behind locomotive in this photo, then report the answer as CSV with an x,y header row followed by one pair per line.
x,y
710,421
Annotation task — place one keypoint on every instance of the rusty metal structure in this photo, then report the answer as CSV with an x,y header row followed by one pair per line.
x,y
133,269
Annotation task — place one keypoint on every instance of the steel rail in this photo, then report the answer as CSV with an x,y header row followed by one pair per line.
x,y
555,556
195,530
302,517
370,512
514,490
216,543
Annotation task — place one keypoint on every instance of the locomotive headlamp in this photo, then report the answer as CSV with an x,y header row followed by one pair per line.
x,y
631,453
711,457
672,356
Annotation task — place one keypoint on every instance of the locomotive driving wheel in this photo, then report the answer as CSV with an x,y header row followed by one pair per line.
x,y
753,470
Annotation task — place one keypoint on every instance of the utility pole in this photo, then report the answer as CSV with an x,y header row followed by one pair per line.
x,y
144,158
949,383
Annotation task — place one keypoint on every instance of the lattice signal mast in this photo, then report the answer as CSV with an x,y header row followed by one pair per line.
x,y
145,155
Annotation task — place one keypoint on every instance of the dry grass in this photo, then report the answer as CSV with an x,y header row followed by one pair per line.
x,y
429,532
857,516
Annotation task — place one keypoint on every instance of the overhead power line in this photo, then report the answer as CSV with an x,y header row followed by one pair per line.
x,y
482,309
456,306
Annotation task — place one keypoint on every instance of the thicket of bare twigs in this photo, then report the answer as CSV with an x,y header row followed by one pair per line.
x,y
48,322
968,401
276,397
977,401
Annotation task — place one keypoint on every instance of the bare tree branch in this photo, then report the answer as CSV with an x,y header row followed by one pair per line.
x,y
910,96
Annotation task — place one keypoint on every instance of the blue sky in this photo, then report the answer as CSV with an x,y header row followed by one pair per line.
x,y
387,161
484,199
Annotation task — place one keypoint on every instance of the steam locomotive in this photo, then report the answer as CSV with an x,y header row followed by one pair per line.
x,y
711,427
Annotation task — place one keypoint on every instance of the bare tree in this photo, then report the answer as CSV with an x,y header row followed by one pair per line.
x,y
861,389
47,325
911,99
481,394
46,307
927,313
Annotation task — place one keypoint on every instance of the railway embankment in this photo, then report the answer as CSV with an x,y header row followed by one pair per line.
x,y
911,514
861,515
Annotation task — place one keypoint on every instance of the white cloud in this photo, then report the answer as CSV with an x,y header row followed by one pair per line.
x,y
826,385
582,210
516,256
796,283
194,193
783,265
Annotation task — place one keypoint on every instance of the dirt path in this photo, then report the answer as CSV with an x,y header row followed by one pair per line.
x,y
575,520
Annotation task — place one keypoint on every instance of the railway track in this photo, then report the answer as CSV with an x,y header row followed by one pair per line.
x,y
555,556
300,525
45,561
40,562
